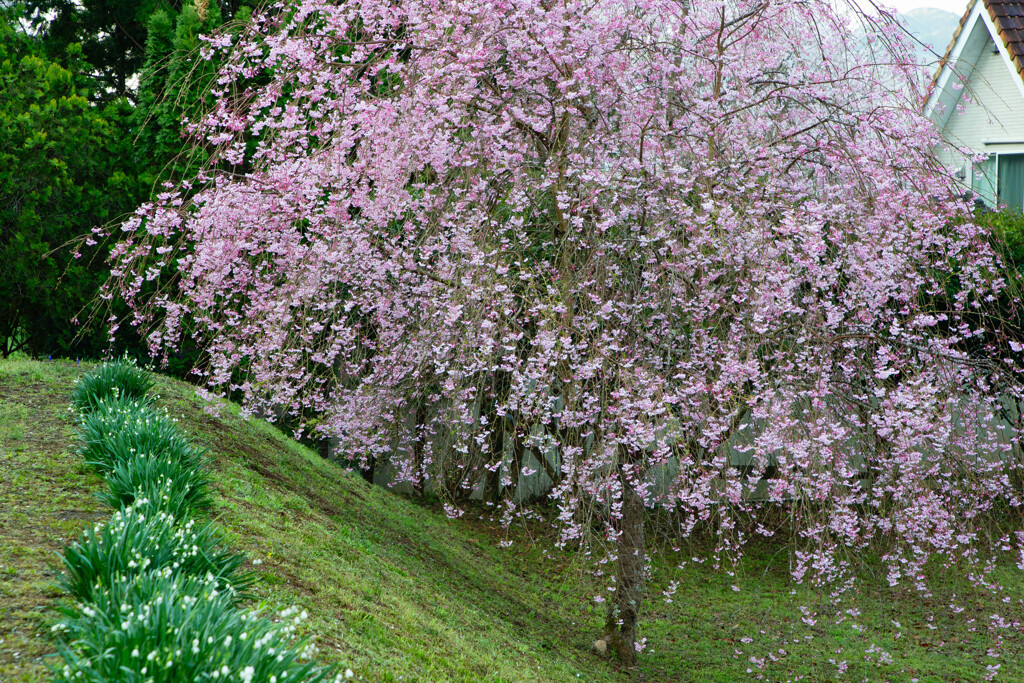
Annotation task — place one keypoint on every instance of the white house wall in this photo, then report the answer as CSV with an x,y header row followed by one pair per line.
x,y
981,106
993,114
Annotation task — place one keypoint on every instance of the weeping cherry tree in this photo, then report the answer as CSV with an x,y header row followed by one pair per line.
x,y
636,238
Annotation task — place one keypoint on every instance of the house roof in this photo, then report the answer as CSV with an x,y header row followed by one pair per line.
x,y
983,21
1008,17
1008,20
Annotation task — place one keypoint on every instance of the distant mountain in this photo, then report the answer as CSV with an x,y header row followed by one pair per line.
x,y
933,27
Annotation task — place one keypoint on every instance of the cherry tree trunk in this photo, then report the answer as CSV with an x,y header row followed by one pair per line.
x,y
422,414
624,611
518,449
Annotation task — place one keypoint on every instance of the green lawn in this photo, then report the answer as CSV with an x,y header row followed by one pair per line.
x,y
397,591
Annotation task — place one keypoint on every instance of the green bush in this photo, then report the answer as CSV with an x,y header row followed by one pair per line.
x,y
1007,228
134,543
67,165
169,629
170,485
1006,316
121,429
111,380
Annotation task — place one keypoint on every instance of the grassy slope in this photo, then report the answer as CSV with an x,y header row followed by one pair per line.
x,y
398,592
393,590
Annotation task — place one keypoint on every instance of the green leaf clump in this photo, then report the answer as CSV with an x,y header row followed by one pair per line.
x,y
174,486
134,543
120,378
173,628
124,429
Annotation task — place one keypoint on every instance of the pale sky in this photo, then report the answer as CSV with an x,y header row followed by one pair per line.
x,y
957,7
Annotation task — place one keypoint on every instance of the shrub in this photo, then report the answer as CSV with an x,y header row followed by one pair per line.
x,y
121,429
166,629
134,543
171,486
115,379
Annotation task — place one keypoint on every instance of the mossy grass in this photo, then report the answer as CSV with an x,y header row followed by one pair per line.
x,y
134,543
172,629
116,379
178,488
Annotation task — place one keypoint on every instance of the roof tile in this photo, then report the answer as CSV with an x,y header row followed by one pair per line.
x,y
1008,16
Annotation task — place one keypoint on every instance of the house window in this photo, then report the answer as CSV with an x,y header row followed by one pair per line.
x,y
1010,180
